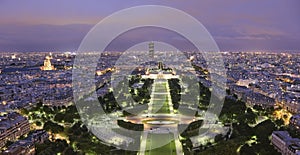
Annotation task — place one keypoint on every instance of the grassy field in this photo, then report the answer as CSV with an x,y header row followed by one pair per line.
x,y
160,101
160,144
165,108
160,104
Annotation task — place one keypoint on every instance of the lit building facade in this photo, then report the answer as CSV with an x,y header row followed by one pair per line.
x,y
12,126
285,144
21,147
47,64
295,122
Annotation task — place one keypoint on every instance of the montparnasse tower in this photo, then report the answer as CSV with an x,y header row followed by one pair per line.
x,y
151,50
47,63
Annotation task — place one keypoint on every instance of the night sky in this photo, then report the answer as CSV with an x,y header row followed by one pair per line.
x,y
56,25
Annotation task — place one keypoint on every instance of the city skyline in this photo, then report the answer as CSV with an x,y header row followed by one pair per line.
x,y
150,77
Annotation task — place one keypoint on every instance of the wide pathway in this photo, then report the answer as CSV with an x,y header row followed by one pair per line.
x,y
160,104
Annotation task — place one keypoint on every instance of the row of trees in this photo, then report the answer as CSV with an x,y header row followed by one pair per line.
x,y
142,95
175,90
109,103
236,112
205,95
65,121
191,96
190,130
131,126
241,117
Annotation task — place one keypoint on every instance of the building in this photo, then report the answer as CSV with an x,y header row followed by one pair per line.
x,y
21,147
27,146
160,66
47,64
291,105
151,50
38,136
253,98
285,144
295,122
12,126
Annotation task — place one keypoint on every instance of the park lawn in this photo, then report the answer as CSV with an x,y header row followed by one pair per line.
x,y
161,98
160,104
160,87
156,140
165,108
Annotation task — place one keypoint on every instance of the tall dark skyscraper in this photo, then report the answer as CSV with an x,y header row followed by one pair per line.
x,y
151,50
160,66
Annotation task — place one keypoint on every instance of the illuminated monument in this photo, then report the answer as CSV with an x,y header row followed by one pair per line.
x,y
47,64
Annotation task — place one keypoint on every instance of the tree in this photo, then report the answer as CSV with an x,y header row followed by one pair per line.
x,y
69,118
279,122
53,127
264,129
248,117
218,137
247,150
39,104
242,130
258,107
38,123
24,111
69,150
47,109
59,117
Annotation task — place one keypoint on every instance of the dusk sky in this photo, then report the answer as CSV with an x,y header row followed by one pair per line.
x,y
56,25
